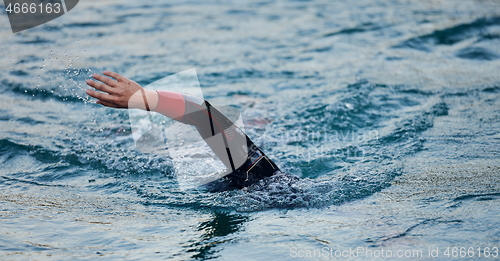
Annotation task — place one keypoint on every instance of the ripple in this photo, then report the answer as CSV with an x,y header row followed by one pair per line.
x,y
451,35
477,53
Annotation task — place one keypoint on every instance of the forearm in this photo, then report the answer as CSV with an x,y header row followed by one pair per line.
x,y
195,111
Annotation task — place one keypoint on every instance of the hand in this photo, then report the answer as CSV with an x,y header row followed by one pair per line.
x,y
121,92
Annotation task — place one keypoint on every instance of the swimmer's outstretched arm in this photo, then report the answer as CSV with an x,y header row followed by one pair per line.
x,y
231,145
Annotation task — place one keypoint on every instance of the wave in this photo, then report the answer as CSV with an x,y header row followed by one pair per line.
x,y
477,29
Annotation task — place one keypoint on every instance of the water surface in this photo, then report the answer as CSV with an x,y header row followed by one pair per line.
x,y
387,113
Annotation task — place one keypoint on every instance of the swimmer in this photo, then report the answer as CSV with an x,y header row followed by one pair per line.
x,y
246,162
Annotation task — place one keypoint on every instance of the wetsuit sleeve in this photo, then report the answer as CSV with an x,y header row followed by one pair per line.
x,y
231,145
170,104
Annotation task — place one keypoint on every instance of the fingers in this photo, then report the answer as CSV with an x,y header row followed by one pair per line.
x,y
115,94
105,80
100,96
107,104
115,76
100,86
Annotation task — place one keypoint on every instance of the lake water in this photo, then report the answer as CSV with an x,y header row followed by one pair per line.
x,y
387,112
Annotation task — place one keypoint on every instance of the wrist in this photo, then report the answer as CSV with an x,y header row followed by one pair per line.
x,y
152,99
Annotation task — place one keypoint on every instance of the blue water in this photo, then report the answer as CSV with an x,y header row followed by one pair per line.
x,y
385,115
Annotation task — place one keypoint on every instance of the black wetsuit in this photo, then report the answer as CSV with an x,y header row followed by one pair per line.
x,y
248,164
